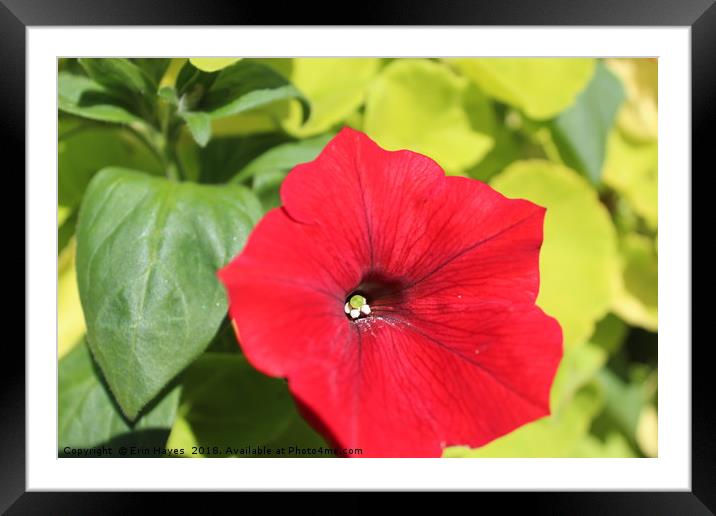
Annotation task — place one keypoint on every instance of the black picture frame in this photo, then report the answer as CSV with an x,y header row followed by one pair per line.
x,y
700,15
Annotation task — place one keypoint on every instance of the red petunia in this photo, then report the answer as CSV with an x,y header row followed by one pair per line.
x,y
444,346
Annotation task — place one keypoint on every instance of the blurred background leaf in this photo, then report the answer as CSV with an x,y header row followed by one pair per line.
x,y
335,89
417,105
638,118
637,292
580,132
539,87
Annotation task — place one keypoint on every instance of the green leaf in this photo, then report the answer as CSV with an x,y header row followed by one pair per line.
x,y
632,170
168,95
610,333
222,158
487,118
578,260
581,131
266,184
613,446
200,126
147,255
118,74
153,67
241,87
88,416
418,105
284,157
540,87
88,149
555,436
213,64
636,300
335,89
226,403
579,365
84,97
624,401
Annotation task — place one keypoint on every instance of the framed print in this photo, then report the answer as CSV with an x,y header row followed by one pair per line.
x,y
453,257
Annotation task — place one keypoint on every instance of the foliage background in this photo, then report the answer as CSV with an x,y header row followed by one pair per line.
x,y
578,136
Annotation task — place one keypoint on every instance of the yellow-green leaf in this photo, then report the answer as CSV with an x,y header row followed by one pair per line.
x,y
578,259
613,446
213,64
335,88
638,117
636,299
540,87
418,105
631,169
647,431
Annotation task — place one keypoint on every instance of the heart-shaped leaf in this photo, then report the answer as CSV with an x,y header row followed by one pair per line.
x,y
88,416
147,254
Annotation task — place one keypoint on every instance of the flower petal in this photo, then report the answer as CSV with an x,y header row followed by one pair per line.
x,y
407,390
413,222
284,294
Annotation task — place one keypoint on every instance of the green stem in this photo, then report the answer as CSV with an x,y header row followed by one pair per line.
x,y
171,133
162,143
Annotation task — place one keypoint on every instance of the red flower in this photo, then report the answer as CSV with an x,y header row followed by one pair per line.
x,y
444,347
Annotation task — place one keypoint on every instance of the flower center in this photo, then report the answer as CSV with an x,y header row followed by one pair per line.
x,y
356,307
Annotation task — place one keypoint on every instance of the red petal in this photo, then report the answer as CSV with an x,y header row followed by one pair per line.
x,y
285,294
408,390
402,217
